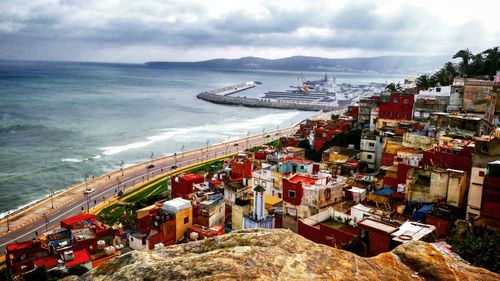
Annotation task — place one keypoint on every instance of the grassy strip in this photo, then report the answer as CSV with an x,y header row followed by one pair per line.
x,y
148,191
111,213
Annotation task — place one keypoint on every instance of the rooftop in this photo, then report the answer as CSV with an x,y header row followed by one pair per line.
x,y
291,159
304,179
371,223
48,262
78,218
412,231
176,205
80,256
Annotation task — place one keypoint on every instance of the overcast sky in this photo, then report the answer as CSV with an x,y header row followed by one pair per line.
x,y
187,30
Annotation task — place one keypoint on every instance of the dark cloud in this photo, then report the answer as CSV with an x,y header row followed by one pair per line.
x,y
42,30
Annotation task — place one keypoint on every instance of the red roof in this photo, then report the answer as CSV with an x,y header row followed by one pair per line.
x,y
48,262
81,256
191,177
303,179
296,160
77,219
20,246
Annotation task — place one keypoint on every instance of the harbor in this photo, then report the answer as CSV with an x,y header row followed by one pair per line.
x,y
317,95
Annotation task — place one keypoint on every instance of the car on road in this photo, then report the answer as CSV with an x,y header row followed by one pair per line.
x,y
150,166
235,144
267,136
173,167
88,191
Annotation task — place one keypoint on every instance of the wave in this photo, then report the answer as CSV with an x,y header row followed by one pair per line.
x,y
217,132
72,160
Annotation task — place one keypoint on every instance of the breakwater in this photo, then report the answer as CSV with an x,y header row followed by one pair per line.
x,y
214,96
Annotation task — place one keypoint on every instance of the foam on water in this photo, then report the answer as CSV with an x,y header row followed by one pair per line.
x,y
72,160
208,131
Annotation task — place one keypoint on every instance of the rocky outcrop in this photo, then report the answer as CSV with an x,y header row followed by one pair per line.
x,y
283,255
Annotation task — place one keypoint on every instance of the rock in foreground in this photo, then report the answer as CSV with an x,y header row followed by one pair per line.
x,y
283,255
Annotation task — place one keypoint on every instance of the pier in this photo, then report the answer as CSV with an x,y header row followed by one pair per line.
x,y
222,96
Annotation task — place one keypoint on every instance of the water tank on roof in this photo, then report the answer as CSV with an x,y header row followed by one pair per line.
x,y
101,244
159,246
110,250
69,256
193,236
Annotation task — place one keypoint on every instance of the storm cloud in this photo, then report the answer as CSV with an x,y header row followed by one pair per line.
x,y
137,31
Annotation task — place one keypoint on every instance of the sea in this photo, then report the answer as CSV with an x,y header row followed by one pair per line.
x,y
62,122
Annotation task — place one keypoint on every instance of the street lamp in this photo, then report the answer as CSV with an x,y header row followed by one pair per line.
x,y
207,147
8,224
52,197
46,219
121,166
248,137
182,149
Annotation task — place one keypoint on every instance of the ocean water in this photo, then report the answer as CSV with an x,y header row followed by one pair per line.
x,y
61,122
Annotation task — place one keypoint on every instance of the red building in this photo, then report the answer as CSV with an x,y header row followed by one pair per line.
x,y
293,191
327,233
490,204
377,235
78,221
353,111
183,185
241,167
447,157
20,257
396,106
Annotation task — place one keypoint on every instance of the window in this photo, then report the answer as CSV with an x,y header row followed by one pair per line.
x,y
381,113
369,156
255,181
371,144
264,184
186,220
417,114
395,100
328,193
481,173
406,101
397,114
390,113
406,115
291,193
279,195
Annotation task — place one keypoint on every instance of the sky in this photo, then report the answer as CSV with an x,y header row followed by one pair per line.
x,y
137,31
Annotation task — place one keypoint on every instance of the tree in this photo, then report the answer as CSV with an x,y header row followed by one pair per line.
x,y
451,68
442,76
77,270
393,87
39,274
493,55
423,82
477,64
480,246
465,56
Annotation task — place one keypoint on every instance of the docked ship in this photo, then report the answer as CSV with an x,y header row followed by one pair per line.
x,y
323,91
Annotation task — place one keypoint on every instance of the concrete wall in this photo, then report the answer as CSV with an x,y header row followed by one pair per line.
x,y
180,226
457,188
439,184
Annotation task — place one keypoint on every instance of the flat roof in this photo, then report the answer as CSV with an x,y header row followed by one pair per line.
x,y
303,179
378,225
176,205
298,160
412,231
80,256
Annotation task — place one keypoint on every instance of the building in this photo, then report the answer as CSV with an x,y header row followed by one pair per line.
x,y
182,210
241,166
20,257
486,150
258,219
432,185
294,165
490,203
306,195
182,185
368,112
462,124
270,180
153,226
480,97
376,235
434,99
326,228
371,150
211,211
396,106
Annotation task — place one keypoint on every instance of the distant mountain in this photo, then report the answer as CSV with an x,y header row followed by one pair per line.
x,y
384,64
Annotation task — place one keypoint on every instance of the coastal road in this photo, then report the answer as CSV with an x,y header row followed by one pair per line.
x,y
48,213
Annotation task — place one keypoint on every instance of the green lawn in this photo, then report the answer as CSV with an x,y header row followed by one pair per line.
x,y
210,167
151,190
111,214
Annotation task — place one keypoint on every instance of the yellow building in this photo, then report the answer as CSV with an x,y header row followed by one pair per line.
x,y
183,212
239,209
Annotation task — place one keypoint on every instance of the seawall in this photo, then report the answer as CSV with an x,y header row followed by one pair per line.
x,y
214,97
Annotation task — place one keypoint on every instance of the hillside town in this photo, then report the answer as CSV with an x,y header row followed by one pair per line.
x,y
409,164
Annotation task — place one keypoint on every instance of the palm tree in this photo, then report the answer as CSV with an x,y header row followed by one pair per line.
x,y
442,76
493,55
423,82
465,56
451,68
477,65
392,87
